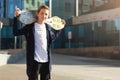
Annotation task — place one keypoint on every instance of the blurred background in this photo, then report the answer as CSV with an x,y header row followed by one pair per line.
x,y
90,23
92,30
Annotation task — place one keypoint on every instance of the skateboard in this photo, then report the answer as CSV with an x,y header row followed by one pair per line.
x,y
27,17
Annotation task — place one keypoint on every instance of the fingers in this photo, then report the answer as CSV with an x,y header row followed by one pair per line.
x,y
17,12
63,21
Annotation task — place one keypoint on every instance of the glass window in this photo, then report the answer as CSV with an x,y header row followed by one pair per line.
x,y
100,33
0,5
81,31
117,23
85,6
7,39
11,11
47,2
27,1
67,29
100,24
67,7
1,9
7,32
90,6
99,3
33,2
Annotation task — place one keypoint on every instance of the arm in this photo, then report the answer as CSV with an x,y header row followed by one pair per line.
x,y
17,31
52,33
57,32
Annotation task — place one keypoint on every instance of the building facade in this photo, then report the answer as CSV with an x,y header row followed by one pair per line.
x,y
90,23
7,8
97,23
2,8
33,4
64,9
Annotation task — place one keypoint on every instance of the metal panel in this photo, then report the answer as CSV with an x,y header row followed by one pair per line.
x,y
97,16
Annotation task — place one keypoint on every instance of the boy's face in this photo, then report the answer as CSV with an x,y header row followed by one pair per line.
x,y
43,15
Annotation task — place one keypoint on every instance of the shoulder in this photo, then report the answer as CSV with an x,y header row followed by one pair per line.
x,y
48,26
30,25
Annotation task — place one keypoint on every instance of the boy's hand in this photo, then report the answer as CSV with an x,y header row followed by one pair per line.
x,y
17,12
63,21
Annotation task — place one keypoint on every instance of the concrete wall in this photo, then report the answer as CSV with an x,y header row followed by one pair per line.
x,y
97,52
3,59
11,56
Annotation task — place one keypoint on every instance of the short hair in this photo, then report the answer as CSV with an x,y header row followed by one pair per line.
x,y
42,7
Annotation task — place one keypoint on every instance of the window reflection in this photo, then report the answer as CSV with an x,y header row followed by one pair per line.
x,y
89,6
117,23
101,33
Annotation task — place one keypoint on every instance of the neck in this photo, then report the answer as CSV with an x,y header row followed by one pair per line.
x,y
40,22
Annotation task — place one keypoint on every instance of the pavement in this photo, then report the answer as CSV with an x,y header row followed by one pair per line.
x,y
68,68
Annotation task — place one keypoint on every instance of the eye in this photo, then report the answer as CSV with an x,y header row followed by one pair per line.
x,y
46,14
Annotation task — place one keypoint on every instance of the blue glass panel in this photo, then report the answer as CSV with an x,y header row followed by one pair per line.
x,y
1,8
81,31
11,11
80,44
67,29
117,23
7,32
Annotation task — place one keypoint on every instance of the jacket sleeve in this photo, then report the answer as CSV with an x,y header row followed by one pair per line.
x,y
17,31
55,34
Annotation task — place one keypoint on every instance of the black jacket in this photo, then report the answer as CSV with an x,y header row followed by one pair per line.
x,y
28,31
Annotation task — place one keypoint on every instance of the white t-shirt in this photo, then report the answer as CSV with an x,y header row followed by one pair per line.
x,y
40,43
